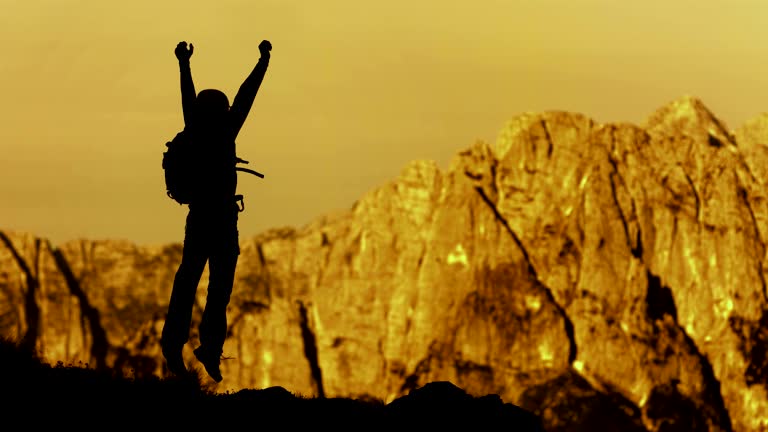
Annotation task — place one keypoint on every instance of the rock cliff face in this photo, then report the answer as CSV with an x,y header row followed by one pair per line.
x,y
601,275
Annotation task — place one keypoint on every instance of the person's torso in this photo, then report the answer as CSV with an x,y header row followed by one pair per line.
x,y
216,159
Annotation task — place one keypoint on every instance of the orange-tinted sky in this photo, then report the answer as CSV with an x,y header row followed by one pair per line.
x,y
355,89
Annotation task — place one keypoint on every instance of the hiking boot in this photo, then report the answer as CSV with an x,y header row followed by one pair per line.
x,y
174,361
210,361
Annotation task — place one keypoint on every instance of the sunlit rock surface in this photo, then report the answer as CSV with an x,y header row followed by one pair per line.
x,y
593,273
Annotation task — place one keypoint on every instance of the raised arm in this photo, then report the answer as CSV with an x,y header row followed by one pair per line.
x,y
188,94
243,101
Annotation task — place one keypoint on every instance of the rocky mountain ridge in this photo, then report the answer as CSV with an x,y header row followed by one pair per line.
x,y
571,268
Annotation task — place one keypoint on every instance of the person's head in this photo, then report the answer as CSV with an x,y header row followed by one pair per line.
x,y
212,105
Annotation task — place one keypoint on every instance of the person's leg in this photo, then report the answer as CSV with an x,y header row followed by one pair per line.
x,y
179,317
213,325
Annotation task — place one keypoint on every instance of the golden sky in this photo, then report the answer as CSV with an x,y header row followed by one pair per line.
x,y
355,90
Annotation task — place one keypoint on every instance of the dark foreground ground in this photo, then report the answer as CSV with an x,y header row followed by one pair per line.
x,y
38,395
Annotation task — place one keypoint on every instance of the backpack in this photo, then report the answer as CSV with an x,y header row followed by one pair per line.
x,y
180,164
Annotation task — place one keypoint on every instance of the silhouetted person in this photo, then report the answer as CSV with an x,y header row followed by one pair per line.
x,y
211,226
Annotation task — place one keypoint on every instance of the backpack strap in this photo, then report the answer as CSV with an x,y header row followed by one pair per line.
x,y
250,171
239,198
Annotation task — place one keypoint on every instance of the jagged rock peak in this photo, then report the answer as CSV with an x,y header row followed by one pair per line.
x,y
532,127
687,115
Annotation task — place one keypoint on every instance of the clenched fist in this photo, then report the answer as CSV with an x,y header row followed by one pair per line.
x,y
264,48
182,52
